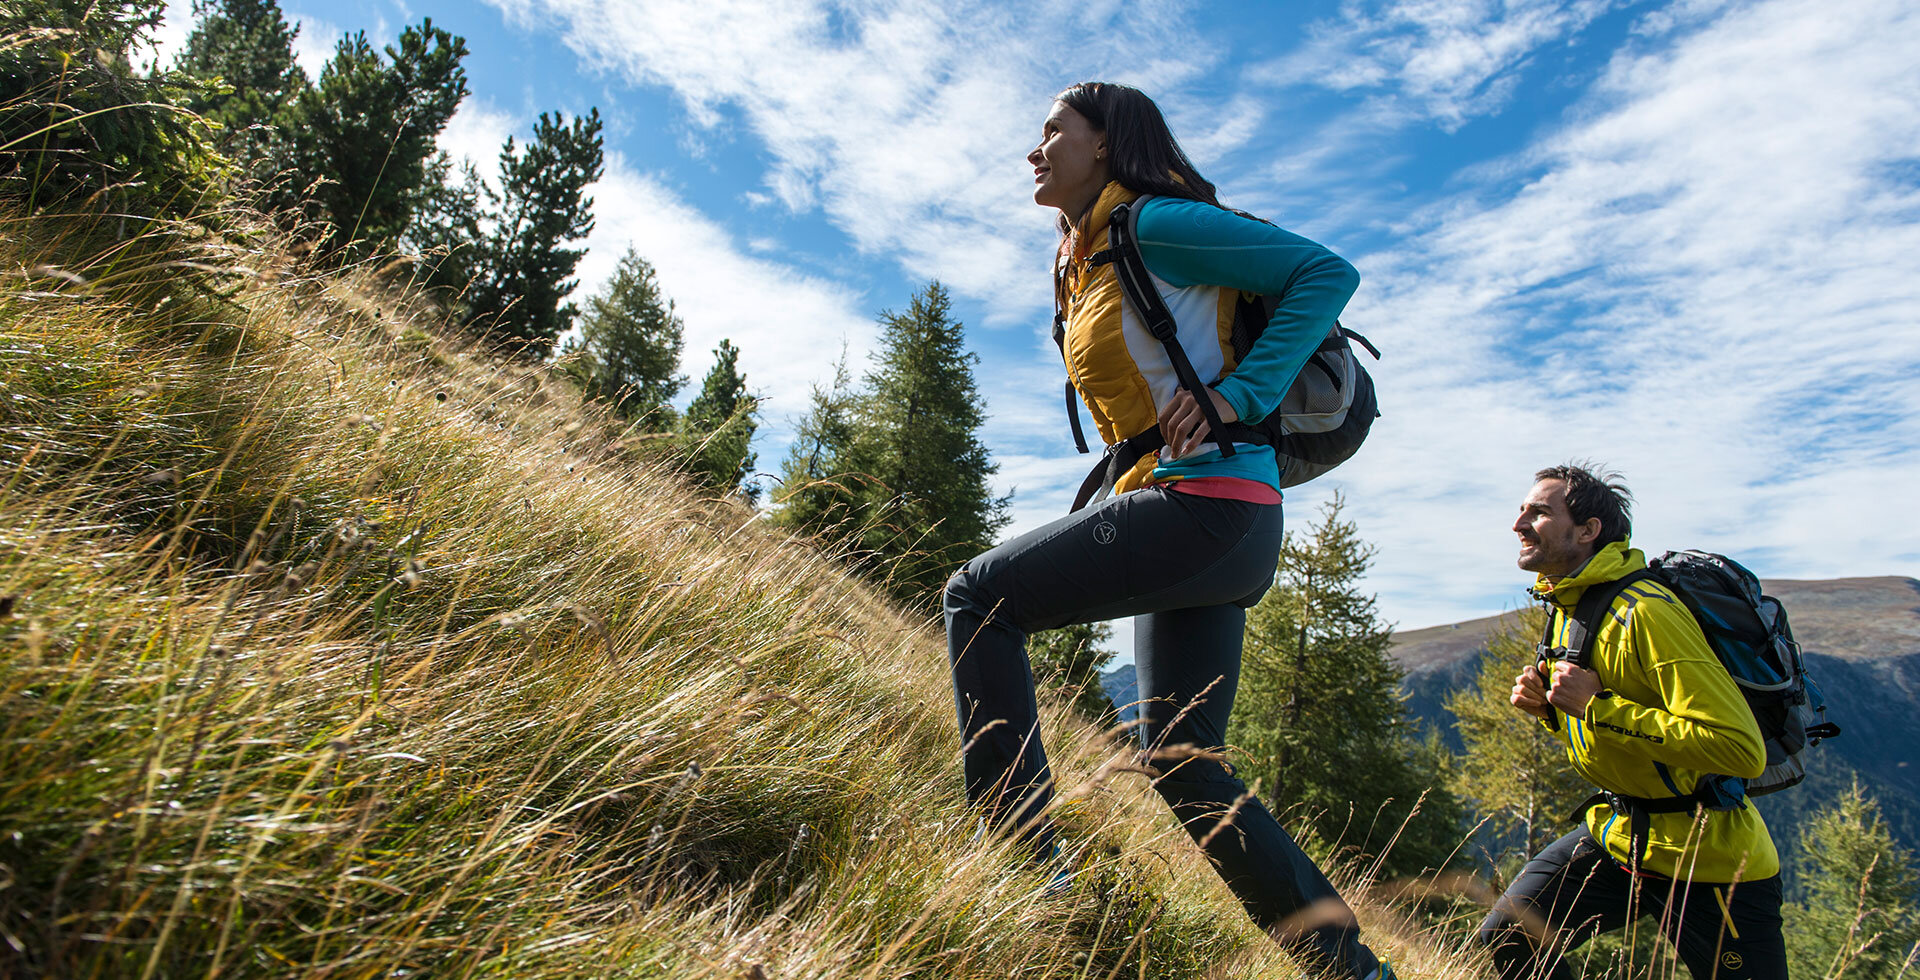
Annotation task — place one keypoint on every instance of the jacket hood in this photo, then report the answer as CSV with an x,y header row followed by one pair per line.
x,y
1616,560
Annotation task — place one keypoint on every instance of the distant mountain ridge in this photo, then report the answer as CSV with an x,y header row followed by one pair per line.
x,y
1858,619
1861,639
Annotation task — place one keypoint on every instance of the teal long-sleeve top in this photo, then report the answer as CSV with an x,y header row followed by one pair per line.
x,y
1190,243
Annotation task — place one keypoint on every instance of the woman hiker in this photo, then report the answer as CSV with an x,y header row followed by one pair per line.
x,y
1189,538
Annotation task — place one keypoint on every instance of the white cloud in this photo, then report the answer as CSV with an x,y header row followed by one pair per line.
x,y
313,47
1703,277
1443,60
476,132
1707,281
789,326
906,123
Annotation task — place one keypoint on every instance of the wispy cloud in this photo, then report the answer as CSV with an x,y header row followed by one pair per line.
x,y
1444,61
1709,280
789,326
907,124
1676,280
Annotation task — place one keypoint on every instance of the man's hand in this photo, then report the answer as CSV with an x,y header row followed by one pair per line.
x,y
1185,426
1573,687
1530,693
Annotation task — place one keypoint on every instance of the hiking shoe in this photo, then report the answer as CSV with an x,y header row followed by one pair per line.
x,y
1382,972
1065,870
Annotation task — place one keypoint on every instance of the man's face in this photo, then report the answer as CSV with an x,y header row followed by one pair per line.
x,y
1551,544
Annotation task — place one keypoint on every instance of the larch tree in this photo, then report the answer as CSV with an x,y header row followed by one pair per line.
x,y
1320,714
928,505
1859,917
1512,770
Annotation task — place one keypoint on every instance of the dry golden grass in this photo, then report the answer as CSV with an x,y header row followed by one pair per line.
x,y
338,648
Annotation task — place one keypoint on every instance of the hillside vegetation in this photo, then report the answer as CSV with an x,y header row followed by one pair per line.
x,y
334,648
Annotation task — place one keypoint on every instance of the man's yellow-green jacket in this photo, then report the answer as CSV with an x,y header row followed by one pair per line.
x,y
1668,714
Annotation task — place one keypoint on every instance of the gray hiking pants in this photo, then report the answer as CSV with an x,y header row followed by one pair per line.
x,y
1188,567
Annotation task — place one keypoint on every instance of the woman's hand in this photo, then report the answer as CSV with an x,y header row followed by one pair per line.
x,y
1185,426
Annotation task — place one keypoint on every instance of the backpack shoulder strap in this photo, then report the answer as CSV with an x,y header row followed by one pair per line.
x,y
1583,625
1131,269
1591,611
1060,341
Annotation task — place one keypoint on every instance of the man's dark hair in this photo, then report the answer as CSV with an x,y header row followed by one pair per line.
x,y
1146,158
1592,494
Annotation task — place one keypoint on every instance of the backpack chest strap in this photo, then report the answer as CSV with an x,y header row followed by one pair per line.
x,y
1583,627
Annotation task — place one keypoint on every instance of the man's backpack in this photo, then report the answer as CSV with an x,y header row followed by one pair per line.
x,y
1750,636
1319,424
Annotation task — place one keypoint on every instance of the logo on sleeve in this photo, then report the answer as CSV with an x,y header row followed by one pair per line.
x,y
1104,532
1630,733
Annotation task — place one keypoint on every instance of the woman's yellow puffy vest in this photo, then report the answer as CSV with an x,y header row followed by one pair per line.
x,y
1100,362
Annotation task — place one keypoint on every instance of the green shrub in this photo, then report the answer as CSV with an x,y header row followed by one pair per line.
x,y
80,125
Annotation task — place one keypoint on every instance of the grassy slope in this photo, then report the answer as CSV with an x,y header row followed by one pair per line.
x,y
337,650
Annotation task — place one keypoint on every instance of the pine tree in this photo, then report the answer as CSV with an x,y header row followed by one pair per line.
x,y
1513,771
247,46
1860,916
630,341
818,495
1320,713
1072,658
716,434
84,126
540,209
929,507
368,129
894,474
443,233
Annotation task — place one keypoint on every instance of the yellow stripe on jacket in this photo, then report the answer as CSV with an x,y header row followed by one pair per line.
x,y
1669,702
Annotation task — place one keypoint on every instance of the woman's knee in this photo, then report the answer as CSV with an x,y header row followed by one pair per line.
x,y
963,590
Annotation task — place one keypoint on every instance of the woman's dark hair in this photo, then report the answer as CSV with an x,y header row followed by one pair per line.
x,y
1145,156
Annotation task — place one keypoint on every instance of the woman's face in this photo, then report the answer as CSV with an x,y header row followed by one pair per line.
x,y
1070,164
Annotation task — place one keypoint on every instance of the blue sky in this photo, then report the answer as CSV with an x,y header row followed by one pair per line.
x,y
1680,238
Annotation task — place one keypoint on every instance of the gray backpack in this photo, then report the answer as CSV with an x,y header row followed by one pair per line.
x,y
1320,423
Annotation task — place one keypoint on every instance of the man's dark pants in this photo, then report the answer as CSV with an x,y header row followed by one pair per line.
x,y
1573,890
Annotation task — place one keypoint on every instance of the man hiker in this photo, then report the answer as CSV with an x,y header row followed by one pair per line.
x,y
1651,717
